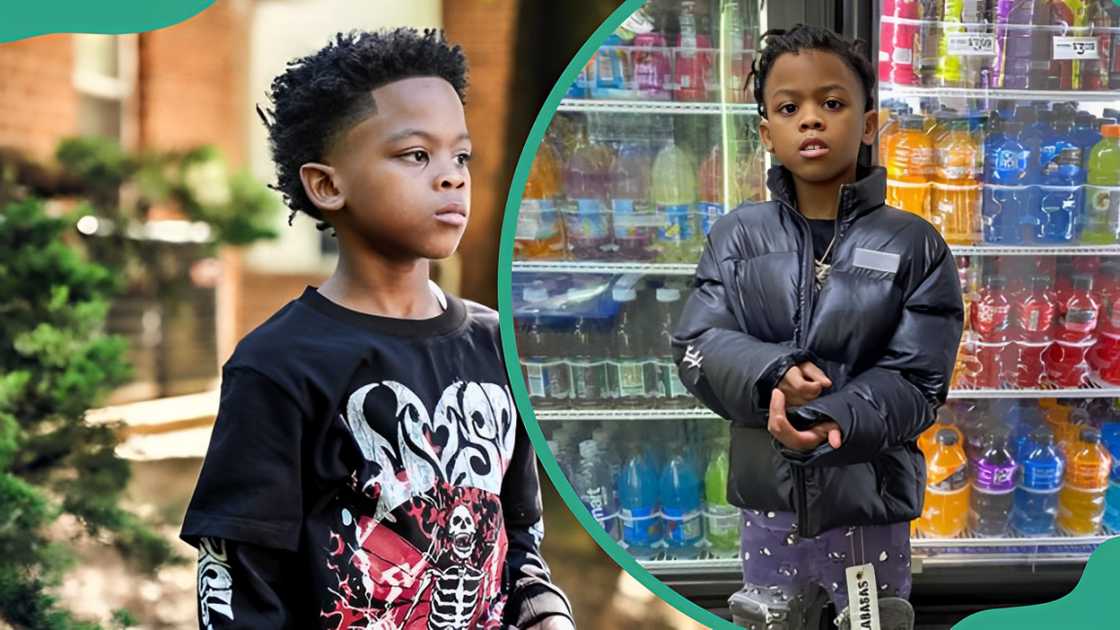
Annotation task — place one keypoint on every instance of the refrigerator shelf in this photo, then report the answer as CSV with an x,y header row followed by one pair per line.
x,y
887,90
653,107
624,414
564,266
687,269
931,553
1031,250
1094,389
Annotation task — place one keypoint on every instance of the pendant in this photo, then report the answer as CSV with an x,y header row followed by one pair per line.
x,y
821,271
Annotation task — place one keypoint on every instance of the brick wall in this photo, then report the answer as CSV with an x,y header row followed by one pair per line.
x,y
192,82
38,103
486,30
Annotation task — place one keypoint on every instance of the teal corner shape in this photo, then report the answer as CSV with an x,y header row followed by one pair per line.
x,y
1086,607
20,19
509,340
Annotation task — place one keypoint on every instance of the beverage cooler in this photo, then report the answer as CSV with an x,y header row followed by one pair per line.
x,y
999,125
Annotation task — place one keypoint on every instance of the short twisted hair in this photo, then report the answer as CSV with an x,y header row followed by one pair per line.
x,y
320,97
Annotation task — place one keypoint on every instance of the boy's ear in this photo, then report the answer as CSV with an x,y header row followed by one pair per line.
x,y
764,135
320,186
870,126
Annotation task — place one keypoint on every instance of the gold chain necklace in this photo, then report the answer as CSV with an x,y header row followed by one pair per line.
x,y
821,269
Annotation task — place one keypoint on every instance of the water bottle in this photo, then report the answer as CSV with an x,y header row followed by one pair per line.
x,y
637,492
593,484
680,507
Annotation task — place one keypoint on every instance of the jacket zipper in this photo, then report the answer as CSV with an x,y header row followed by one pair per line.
x,y
802,331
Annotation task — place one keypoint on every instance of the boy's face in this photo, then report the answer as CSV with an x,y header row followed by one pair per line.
x,y
815,120
400,177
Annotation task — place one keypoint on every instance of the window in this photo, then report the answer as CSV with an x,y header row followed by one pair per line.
x,y
104,77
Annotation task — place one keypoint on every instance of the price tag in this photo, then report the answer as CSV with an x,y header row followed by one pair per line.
x,y
972,44
1076,48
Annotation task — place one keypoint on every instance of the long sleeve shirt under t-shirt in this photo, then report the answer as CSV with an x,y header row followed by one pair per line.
x,y
369,472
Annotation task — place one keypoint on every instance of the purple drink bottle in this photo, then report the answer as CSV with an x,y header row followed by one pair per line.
x,y
1013,43
993,489
633,215
585,184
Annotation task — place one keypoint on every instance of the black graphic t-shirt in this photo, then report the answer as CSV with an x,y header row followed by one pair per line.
x,y
369,472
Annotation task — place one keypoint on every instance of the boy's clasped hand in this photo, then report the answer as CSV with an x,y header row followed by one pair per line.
x,y
801,384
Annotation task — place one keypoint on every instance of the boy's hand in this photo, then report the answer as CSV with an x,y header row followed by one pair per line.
x,y
780,427
802,383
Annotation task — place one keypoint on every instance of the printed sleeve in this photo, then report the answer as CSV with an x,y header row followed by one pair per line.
x,y
250,488
244,586
531,594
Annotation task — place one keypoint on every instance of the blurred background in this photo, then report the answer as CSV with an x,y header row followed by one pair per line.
x,y
140,243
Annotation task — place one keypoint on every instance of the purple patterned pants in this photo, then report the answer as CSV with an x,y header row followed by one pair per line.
x,y
780,566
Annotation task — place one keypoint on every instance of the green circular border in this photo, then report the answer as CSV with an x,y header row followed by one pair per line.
x,y
114,17
509,340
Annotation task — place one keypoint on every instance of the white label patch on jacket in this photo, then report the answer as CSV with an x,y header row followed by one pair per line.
x,y
875,261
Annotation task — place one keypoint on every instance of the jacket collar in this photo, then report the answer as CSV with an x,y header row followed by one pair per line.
x,y
867,193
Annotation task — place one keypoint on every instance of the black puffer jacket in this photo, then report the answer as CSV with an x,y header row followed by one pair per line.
x,y
884,327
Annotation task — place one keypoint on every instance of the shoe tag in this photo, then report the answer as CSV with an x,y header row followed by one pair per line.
x,y
863,597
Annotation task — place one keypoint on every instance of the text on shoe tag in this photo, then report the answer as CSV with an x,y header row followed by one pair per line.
x,y
863,597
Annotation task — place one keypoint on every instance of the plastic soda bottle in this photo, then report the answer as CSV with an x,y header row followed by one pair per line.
x,y
992,489
909,166
955,201
680,507
671,391
1036,314
595,489
635,228
1061,199
1102,189
674,193
546,376
1035,506
1007,193
713,202
630,375
1081,501
721,518
947,491
637,491
539,234
1065,360
990,317
587,364
585,184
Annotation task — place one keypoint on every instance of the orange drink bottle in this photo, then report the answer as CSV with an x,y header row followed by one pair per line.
x,y
955,198
909,165
539,225
945,512
1081,501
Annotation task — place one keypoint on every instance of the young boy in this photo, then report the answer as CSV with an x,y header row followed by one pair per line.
x,y
367,468
824,325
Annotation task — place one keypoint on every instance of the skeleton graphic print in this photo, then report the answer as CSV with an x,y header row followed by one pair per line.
x,y
430,553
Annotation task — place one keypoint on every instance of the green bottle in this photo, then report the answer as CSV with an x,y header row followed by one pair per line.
x,y
1102,197
722,518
